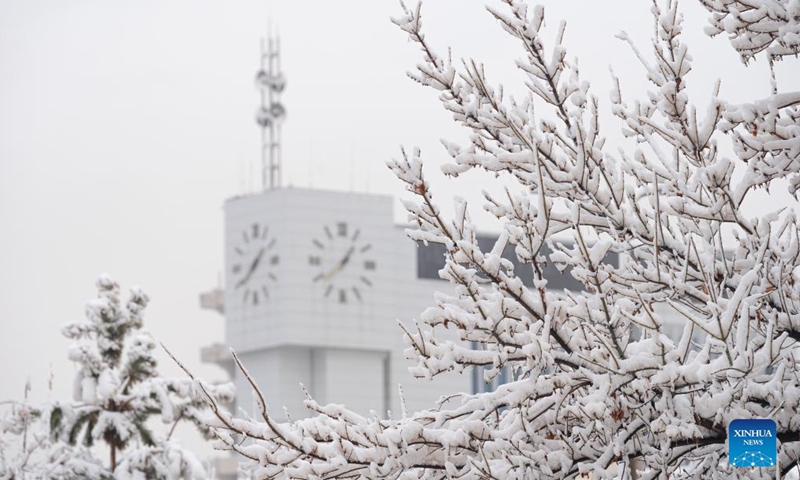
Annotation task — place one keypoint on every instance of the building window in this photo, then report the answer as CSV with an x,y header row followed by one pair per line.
x,y
480,385
431,259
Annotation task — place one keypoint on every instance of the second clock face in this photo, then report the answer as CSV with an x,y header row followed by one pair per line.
x,y
342,262
253,264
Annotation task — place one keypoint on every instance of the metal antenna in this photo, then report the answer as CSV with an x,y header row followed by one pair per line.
x,y
270,115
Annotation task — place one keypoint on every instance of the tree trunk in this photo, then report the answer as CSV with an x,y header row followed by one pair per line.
x,y
113,457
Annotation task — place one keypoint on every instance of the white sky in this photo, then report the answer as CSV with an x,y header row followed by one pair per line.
x,y
125,125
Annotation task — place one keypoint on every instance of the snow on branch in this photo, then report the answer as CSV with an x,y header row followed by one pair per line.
x,y
770,26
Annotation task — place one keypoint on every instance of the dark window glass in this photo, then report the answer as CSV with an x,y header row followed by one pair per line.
x,y
431,259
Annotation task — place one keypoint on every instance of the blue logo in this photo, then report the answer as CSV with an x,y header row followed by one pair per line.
x,y
751,443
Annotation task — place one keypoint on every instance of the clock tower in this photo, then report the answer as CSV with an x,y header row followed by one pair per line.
x,y
315,283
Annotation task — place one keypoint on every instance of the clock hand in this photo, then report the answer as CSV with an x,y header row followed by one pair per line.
x,y
341,263
252,268
347,256
333,270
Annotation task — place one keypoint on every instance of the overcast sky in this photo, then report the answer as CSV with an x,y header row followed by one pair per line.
x,y
125,125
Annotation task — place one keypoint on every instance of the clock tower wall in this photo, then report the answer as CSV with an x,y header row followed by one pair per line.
x,y
313,299
339,275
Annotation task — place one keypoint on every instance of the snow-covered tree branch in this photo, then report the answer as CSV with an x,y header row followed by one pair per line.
x,y
771,26
599,389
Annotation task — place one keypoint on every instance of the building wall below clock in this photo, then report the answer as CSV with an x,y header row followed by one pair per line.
x,y
278,373
357,378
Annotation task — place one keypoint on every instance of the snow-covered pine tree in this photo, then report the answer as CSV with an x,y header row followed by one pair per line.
x,y
599,389
120,405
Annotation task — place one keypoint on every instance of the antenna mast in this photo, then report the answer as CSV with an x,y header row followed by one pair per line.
x,y
270,115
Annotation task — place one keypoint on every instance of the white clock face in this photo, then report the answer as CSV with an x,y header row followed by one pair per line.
x,y
253,265
342,262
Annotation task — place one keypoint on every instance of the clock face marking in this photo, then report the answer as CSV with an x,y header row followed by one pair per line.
x,y
253,262
342,262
